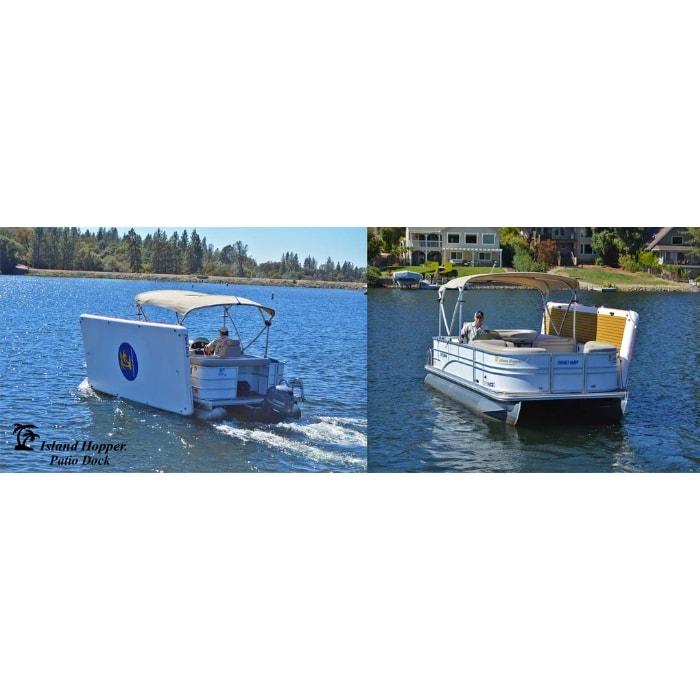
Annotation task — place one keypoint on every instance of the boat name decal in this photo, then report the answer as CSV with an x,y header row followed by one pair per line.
x,y
568,363
128,362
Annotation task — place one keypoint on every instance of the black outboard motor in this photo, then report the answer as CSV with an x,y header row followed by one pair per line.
x,y
282,402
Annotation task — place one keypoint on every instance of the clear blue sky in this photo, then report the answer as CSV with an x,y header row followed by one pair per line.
x,y
270,243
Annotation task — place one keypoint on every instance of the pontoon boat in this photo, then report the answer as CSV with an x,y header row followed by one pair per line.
x,y
575,367
156,364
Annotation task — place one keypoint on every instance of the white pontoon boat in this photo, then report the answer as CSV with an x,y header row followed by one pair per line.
x,y
155,363
575,367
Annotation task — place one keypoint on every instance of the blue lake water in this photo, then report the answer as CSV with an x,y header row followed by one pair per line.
x,y
414,428
319,333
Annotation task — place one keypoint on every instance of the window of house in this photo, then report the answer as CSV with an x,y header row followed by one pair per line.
x,y
470,238
421,236
484,256
677,240
587,249
489,238
453,238
457,256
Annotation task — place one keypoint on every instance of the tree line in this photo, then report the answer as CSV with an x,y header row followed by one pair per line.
x,y
186,252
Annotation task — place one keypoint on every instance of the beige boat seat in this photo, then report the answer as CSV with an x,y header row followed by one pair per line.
x,y
502,347
488,344
555,343
517,335
598,346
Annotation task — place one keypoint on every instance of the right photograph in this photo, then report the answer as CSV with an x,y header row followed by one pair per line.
x,y
533,349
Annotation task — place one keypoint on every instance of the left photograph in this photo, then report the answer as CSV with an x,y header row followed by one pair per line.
x,y
183,349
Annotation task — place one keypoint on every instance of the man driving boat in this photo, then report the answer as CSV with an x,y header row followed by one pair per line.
x,y
223,346
472,331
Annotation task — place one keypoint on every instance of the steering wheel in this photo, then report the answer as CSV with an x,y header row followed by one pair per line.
x,y
197,345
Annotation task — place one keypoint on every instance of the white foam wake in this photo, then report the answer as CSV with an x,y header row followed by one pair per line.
x,y
284,444
210,414
341,420
84,389
331,433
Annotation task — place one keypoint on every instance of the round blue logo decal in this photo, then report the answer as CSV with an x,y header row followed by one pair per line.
x,y
128,363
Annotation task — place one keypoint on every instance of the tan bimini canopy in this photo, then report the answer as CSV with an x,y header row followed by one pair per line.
x,y
182,302
541,281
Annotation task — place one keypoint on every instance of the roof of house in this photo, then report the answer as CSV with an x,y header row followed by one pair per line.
x,y
659,237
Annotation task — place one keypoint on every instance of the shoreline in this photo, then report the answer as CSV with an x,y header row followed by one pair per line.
x,y
208,279
624,288
584,286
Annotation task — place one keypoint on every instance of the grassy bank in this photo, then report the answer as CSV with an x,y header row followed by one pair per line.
x,y
625,281
431,269
321,284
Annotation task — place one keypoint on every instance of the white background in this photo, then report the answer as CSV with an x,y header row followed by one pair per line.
x,y
363,586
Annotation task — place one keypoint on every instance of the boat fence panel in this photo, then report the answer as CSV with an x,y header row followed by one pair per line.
x,y
140,361
589,326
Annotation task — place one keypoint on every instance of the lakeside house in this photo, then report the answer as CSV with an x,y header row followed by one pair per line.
x,y
673,246
461,245
574,244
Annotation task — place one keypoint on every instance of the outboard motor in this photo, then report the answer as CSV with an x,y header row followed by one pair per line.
x,y
281,402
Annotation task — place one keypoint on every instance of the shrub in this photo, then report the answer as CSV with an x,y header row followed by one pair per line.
x,y
649,260
523,262
629,263
546,252
373,276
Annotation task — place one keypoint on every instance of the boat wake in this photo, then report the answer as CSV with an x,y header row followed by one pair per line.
x,y
342,420
327,432
86,391
213,414
283,443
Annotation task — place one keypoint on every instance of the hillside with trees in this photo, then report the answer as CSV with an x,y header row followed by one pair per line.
x,y
186,252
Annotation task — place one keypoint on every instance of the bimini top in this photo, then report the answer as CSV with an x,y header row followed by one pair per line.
x,y
542,281
182,302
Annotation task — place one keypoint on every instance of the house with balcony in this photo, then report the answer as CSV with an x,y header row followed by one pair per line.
x,y
574,244
674,246
460,245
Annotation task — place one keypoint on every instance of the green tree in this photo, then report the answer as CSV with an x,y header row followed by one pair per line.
x,y
374,244
195,252
133,250
695,239
9,251
511,242
240,257
605,244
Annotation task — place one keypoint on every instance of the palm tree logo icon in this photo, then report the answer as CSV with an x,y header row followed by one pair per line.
x,y
24,434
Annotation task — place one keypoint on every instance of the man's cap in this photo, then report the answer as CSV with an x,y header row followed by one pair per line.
x,y
479,314
223,331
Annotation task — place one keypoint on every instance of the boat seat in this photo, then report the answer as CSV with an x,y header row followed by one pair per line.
x,y
517,335
502,347
487,344
598,346
242,361
555,343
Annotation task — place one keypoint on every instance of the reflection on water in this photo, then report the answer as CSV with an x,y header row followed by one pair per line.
x,y
319,334
413,428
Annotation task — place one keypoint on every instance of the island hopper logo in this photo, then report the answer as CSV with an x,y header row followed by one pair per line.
x,y
24,433
128,362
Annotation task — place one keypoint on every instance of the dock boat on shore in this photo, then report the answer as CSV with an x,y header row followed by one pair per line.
x,y
574,369
406,279
156,364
